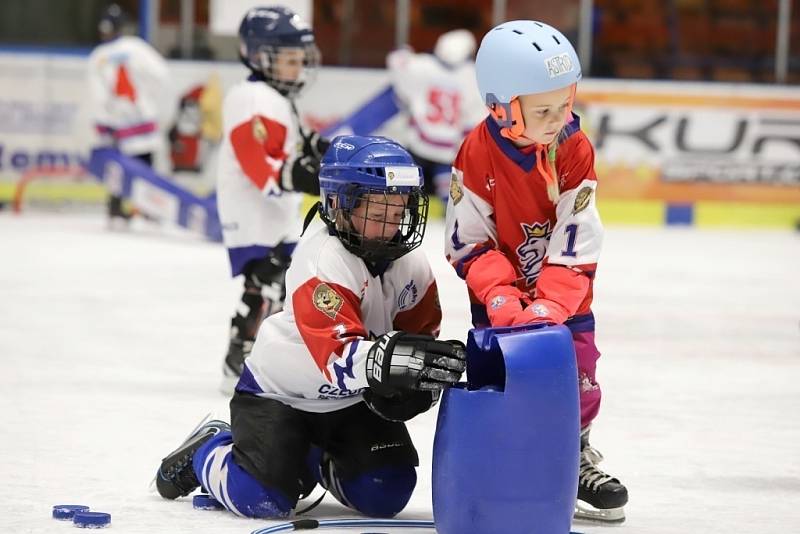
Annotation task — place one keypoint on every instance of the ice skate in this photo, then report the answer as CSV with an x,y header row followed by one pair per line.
x,y
175,477
601,497
119,217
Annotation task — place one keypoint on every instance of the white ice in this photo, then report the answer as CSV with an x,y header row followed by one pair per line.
x,y
111,346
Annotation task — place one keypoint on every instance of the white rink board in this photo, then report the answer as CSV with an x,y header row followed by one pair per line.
x,y
722,131
112,345
45,117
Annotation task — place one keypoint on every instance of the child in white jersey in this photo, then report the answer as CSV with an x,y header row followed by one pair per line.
x,y
128,83
331,379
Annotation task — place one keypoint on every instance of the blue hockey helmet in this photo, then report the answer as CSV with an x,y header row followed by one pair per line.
x,y
522,57
267,32
376,175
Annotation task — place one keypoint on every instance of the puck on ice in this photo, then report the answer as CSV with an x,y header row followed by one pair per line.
x,y
64,512
91,519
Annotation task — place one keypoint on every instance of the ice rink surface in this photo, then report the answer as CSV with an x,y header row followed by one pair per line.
x,y
112,344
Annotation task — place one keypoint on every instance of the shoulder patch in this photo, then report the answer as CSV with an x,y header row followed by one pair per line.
x,y
582,199
456,193
259,130
327,300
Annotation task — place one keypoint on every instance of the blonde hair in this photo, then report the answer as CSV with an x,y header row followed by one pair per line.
x,y
550,173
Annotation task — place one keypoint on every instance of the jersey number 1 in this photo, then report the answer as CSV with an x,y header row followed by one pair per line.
x,y
572,232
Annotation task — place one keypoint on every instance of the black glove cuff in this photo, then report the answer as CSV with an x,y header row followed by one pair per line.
x,y
403,406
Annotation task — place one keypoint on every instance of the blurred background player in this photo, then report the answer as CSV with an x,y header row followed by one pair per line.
x,y
332,378
128,79
266,158
522,226
440,100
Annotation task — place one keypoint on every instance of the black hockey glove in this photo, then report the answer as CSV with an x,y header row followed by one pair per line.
x,y
314,145
403,406
270,269
399,362
301,172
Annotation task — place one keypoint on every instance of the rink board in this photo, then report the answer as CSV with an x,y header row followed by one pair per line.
x,y
666,152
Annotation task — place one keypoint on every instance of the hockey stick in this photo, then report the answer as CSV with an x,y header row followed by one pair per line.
x,y
311,524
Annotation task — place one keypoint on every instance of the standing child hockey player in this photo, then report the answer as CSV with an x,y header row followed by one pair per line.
x,y
522,226
332,378
440,101
127,80
265,161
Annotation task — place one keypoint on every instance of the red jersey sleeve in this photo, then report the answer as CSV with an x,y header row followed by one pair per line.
x,y
328,316
258,146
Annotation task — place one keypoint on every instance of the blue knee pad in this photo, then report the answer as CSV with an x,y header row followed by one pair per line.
x,y
234,487
383,492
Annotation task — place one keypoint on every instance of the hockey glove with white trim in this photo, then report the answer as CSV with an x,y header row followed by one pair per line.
x,y
398,362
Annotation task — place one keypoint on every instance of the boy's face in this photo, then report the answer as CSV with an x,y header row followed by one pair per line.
x,y
288,64
379,216
545,114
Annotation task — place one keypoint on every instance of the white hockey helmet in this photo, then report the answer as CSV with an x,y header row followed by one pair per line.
x,y
455,47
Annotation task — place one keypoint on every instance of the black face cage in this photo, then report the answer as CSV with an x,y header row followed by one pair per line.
x,y
410,228
265,58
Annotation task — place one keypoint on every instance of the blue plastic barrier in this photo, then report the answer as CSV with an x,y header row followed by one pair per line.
x,y
153,194
506,451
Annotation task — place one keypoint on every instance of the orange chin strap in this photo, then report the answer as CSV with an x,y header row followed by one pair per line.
x,y
517,120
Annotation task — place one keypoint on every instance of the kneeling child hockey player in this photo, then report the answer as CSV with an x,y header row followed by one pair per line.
x,y
331,379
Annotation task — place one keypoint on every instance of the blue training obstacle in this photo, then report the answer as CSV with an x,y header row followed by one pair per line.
x,y
153,194
506,451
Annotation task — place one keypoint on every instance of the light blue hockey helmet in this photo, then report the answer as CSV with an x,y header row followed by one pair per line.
x,y
523,57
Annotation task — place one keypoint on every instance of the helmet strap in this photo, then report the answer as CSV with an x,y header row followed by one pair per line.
x,y
501,112
310,214
517,128
517,121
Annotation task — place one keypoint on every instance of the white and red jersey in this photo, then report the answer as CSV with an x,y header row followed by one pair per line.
x,y
499,214
312,355
128,84
442,103
260,131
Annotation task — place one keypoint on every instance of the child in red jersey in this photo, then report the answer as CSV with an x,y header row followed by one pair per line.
x,y
522,225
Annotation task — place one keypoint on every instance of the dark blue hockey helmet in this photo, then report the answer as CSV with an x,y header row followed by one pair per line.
x,y
373,197
111,22
278,46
